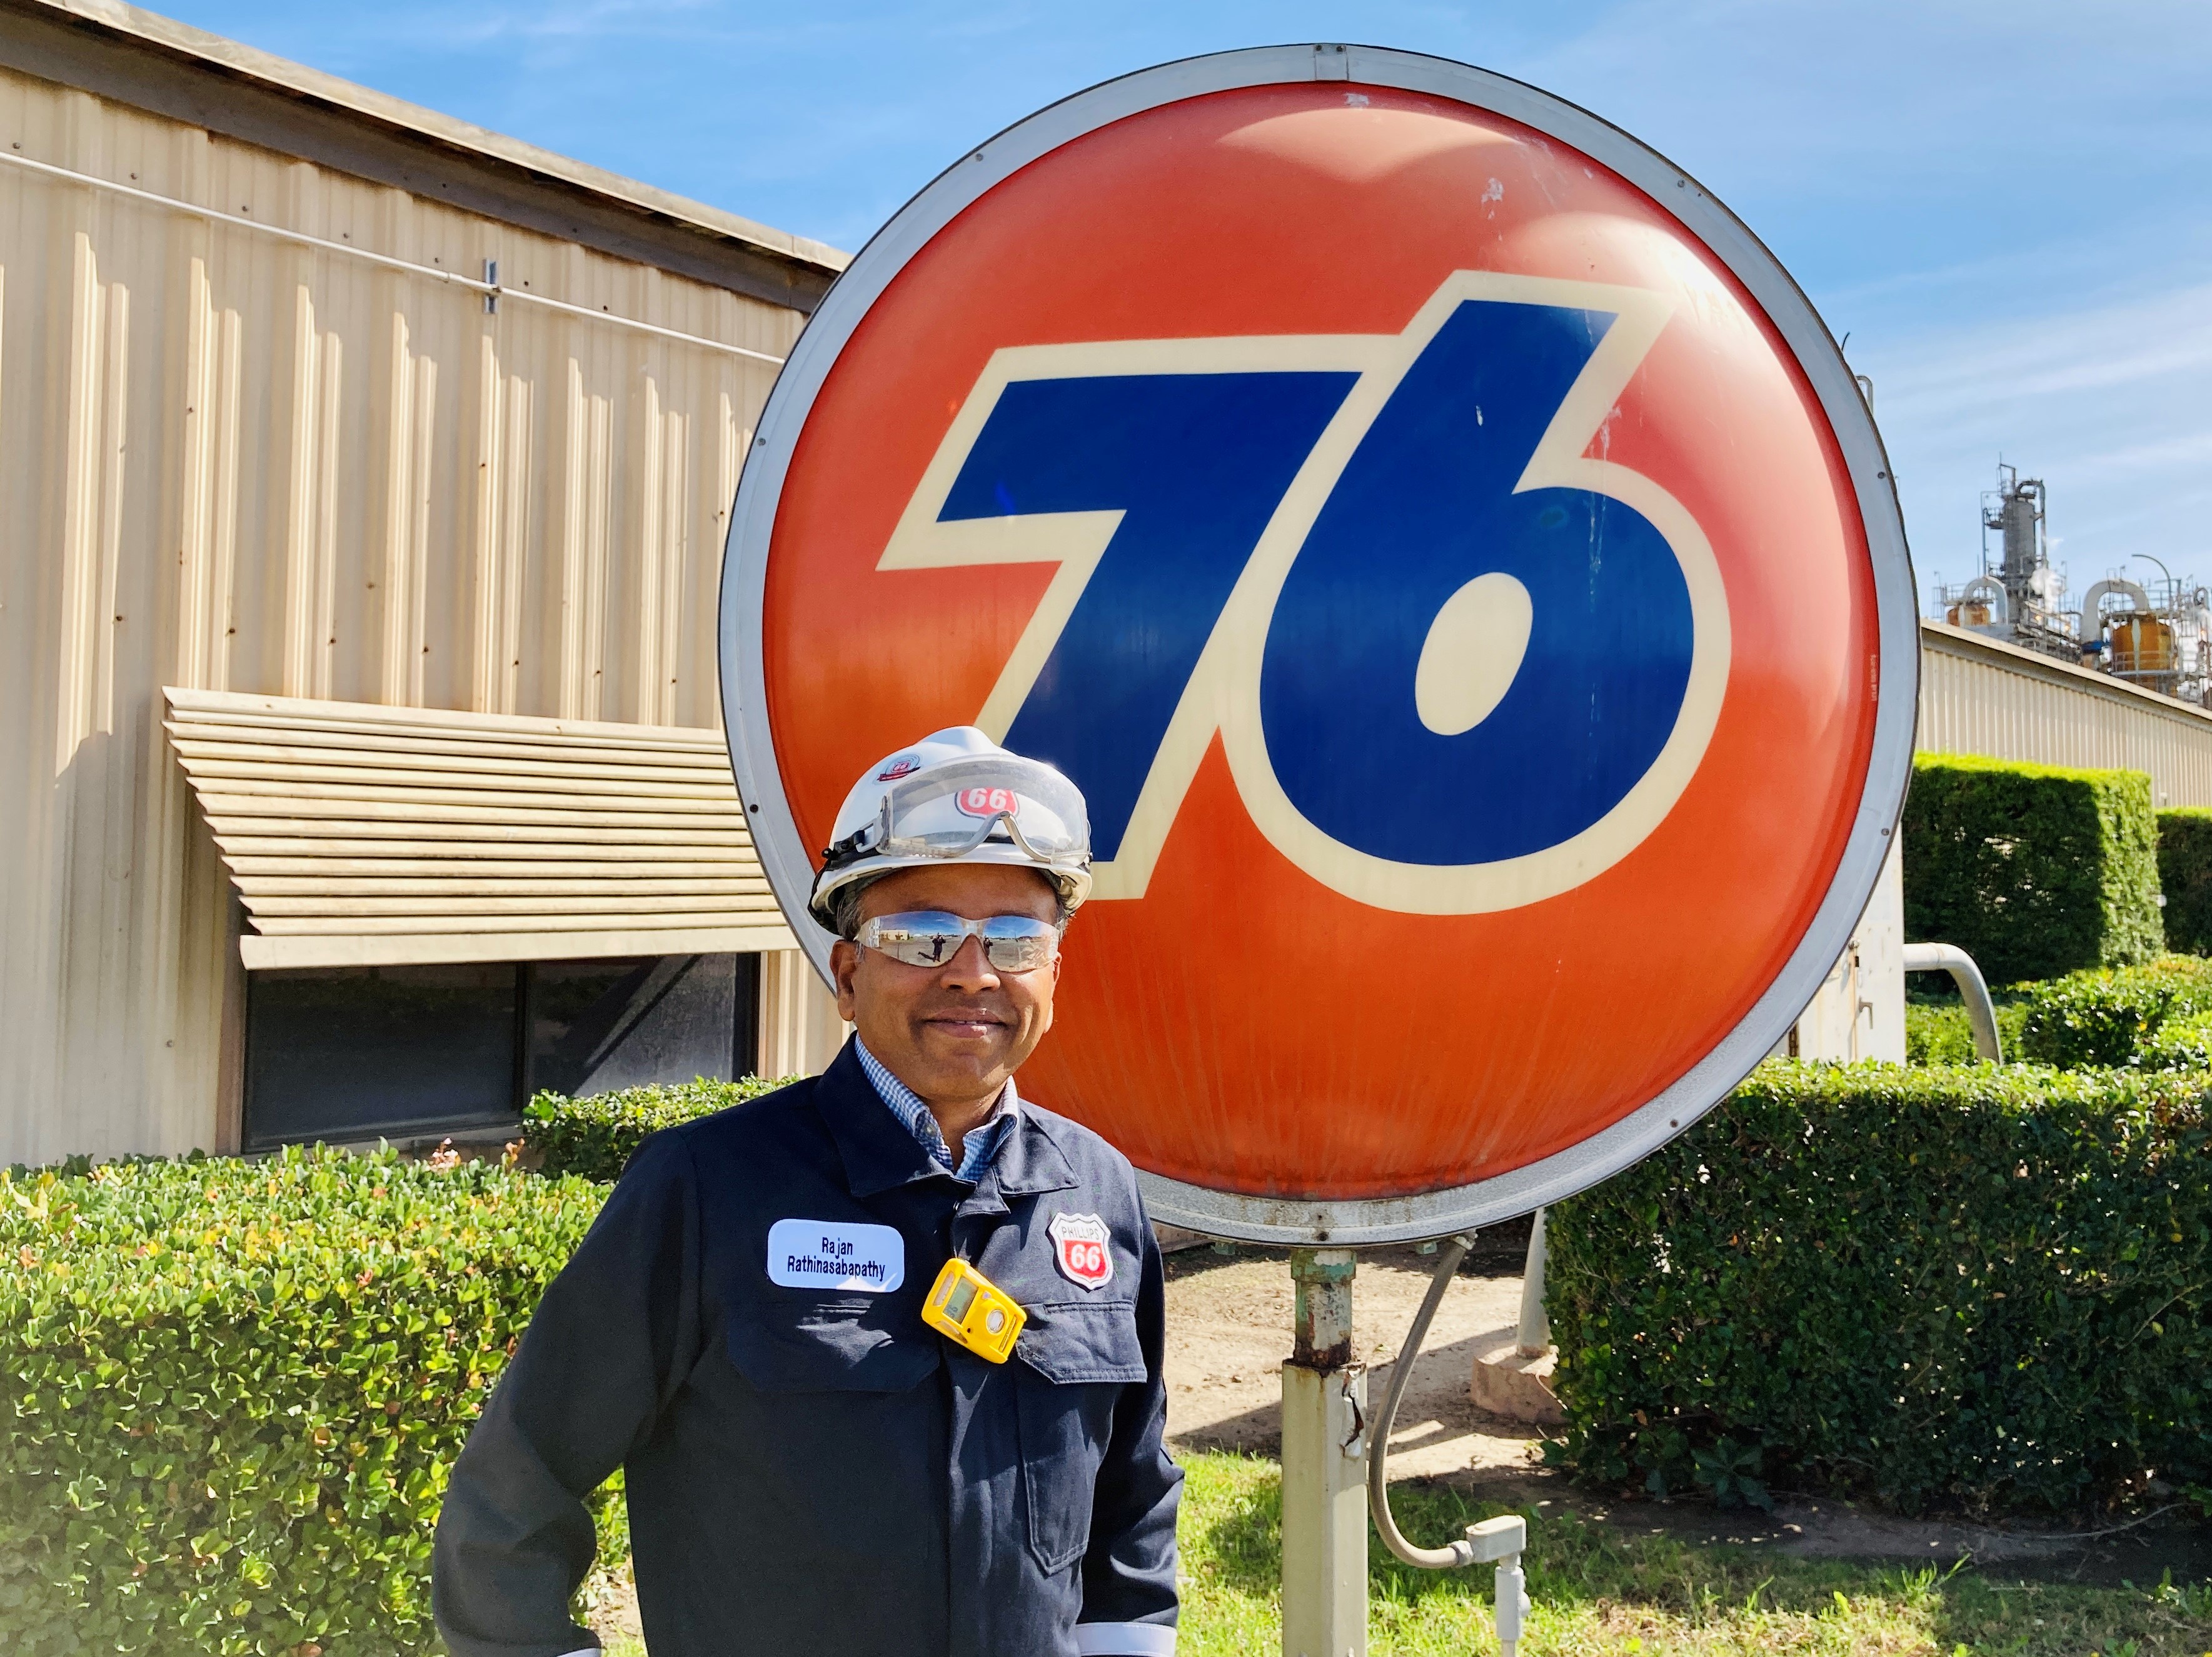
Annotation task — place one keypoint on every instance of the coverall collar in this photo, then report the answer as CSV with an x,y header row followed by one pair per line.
x,y
1029,1163
879,1153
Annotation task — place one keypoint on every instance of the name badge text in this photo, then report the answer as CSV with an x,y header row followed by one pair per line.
x,y
845,1254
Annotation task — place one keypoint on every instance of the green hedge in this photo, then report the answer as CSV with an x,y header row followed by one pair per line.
x,y
1987,1287
2184,876
2180,1044
2103,1018
1940,1033
594,1138
235,1387
2033,871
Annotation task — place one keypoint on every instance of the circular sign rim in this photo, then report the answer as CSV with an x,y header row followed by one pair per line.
x,y
1364,1222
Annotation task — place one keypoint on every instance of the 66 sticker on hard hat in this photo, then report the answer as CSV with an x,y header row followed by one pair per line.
x,y
1449,555
988,803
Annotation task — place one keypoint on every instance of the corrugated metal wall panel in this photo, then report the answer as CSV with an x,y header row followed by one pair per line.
x,y
799,1031
359,834
1979,696
231,463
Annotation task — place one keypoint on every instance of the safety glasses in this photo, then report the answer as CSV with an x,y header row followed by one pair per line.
x,y
929,937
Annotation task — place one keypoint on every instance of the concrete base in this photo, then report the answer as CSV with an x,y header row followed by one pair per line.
x,y
1518,1389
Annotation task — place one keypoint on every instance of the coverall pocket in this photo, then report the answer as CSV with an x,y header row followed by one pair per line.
x,y
1075,1358
824,1346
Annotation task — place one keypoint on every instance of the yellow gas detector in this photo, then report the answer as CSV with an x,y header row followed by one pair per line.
x,y
965,1306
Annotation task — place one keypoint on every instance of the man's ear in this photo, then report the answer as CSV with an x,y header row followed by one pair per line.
x,y
844,963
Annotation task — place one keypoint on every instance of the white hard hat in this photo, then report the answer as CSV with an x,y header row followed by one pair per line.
x,y
958,797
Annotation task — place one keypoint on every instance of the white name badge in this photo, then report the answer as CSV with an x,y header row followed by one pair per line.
x,y
836,1254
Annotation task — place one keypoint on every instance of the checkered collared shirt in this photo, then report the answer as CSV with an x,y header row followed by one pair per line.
x,y
977,1147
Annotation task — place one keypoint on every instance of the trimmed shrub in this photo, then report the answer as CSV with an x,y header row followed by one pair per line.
x,y
594,1138
2184,1044
1940,1033
2033,871
1987,1287
235,1389
2103,1018
2184,876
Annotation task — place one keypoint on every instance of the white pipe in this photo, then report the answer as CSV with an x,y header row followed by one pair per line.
x,y
490,290
1504,1538
1534,1339
2091,622
1981,1011
1509,1603
1453,1555
1991,589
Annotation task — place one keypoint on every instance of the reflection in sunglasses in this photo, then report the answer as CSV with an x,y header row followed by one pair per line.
x,y
1013,943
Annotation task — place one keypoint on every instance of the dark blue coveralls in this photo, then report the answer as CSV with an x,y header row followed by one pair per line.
x,y
819,1472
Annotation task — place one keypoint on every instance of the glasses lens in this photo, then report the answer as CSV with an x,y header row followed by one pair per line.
x,y
925,938
1016,943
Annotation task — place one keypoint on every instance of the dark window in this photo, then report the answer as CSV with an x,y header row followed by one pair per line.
x,y
348,1053
352,1053
595,1026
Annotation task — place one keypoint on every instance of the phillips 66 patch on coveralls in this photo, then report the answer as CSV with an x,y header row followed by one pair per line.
x,y
1080,1246
836,1254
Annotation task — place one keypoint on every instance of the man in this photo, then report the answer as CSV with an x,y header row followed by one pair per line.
x,y
812,1468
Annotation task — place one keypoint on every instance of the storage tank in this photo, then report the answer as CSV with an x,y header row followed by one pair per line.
x,y
2142,644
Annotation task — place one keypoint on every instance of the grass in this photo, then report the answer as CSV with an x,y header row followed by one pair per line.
x,y
1597,1590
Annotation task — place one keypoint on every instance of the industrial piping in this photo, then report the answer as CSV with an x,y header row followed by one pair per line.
x,y
1502,1540
1981,1011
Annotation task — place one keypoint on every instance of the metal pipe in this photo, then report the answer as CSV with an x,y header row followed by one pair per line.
x,y
1456,1554
1509,1603
1990,588
1534,1339
1502,1540
491,290
1981,1011
2093,600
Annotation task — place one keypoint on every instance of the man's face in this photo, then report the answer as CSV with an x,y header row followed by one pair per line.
x,y
954,1033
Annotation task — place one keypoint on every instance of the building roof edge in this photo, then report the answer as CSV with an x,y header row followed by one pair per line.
x,y
215,54
1966,642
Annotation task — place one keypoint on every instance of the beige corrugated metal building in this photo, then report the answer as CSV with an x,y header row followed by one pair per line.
x,y
1979,695
363,481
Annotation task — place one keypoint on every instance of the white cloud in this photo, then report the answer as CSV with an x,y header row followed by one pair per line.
x,y
2107,403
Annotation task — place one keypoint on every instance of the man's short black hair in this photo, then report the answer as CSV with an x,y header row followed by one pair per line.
x,y
845,907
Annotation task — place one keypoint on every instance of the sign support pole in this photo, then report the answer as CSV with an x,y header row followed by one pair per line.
x,y
1324,1465
1534,1338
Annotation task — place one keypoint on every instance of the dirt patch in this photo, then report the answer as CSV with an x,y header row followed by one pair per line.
x,y
1229,1330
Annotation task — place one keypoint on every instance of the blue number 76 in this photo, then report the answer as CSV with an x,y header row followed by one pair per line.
x,y
1471,662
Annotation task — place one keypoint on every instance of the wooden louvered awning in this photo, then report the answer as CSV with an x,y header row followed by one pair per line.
x,y
360,834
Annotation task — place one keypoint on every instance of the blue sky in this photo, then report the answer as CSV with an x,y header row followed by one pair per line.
x,y
2008,207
